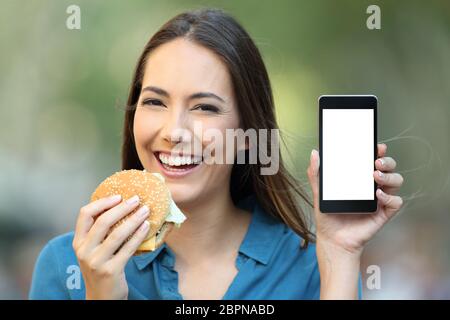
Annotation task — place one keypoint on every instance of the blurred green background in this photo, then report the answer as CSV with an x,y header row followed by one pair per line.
x,y
62,95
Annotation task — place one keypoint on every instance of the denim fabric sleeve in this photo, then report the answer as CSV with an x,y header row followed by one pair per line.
x,y
360,289
47,283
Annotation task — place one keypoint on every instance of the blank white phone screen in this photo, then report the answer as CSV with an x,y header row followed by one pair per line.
x,y
348,154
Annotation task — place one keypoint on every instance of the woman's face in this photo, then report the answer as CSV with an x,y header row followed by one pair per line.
x,y
185,86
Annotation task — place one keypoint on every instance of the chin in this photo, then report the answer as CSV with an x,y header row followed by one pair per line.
x,y
183,195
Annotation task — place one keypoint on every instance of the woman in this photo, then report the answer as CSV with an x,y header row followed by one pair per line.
x,y
246,234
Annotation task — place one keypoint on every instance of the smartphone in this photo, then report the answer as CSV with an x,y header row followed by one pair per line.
x,y
348,150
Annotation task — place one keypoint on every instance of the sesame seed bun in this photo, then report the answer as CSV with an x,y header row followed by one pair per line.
x,y
152,191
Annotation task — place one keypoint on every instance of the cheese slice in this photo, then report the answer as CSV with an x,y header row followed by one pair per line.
x,y
148,245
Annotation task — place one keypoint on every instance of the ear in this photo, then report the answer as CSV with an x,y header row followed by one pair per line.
x,y
243,146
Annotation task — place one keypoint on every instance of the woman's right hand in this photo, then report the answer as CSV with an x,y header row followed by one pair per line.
x,y
103,268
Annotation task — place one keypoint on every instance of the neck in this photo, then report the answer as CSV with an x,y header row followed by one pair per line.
x,y
213,226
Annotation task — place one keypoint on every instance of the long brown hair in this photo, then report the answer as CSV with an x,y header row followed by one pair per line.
x,y
278,194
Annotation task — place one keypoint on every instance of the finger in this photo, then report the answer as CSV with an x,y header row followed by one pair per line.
x,y
104,223
88,212
381,148
130,247
391,203
118,236
390,190
390,180
313,175
385,164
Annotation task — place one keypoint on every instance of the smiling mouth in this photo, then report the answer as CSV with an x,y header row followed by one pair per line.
x,y
177,163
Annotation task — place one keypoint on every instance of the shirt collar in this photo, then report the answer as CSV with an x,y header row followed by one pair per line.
x,y
145,259
260,241
263,234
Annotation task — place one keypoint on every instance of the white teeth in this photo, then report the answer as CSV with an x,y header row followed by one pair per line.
x,y
177,160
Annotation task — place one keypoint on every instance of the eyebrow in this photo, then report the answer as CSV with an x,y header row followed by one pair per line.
x,y
197,95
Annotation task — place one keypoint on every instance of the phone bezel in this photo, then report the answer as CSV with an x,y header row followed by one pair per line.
x,y
347,102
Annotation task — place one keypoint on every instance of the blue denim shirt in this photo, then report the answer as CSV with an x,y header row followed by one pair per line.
x,y
270,265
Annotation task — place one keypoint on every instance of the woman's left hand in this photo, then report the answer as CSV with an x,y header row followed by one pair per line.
x,y
350,231
340,238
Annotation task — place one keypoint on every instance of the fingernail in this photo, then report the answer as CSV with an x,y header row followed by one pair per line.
x,y
314,151
145,225
380,193
380,174
142,212
133,200
115,197
382,161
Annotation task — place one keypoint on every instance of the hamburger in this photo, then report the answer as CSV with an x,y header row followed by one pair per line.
x,y
153,192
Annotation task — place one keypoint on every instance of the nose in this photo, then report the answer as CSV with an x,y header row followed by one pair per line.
x,y
176,126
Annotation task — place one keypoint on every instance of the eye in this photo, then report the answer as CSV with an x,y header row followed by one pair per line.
x,y
207,108
152,102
